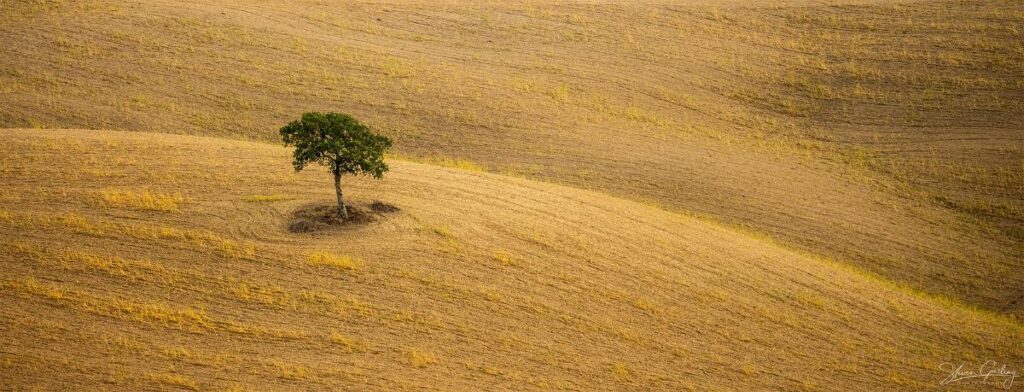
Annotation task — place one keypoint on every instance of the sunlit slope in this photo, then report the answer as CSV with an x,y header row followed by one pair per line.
x,y
884,134
137,261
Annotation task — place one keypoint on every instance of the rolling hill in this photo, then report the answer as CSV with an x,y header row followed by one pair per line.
x,y
614,195
148,261
883,134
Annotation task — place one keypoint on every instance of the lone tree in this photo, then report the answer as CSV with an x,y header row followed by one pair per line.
x,y
341,143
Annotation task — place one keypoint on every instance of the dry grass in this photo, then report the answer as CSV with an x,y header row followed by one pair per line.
x,y
504,258
144,200
421,359
340,262
344,341
289,371
457,163
813,178
174,380
574,290
902,131
621,371
266,198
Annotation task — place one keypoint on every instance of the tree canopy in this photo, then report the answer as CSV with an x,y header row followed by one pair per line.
x,y
337,141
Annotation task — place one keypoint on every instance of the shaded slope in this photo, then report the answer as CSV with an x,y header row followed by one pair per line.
x,y
480,281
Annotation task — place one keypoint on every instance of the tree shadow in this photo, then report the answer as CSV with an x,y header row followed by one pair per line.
x,y
317,217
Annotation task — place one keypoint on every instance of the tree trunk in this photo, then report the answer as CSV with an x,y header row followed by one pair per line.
x,y
342,214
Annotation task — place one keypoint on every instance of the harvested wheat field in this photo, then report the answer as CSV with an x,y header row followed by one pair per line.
x,y
620,195
546,287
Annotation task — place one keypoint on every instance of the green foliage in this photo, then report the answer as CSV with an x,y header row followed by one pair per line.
x,y
338,141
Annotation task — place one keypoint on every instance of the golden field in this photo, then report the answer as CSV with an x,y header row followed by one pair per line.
x,y
546,287
704,195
